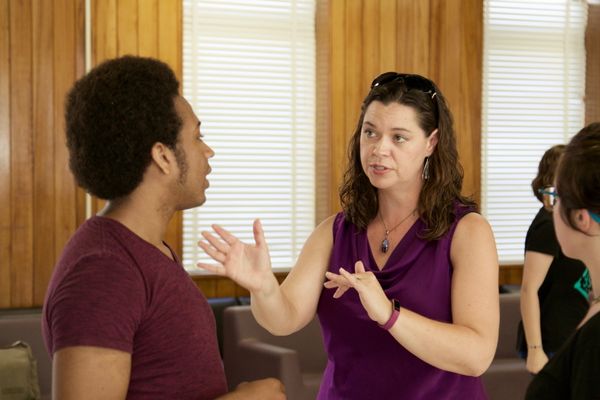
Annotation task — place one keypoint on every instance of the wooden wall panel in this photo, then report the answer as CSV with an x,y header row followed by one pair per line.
x,y
21,187
36,189
43,139
387,36
170,34
218,286
323,186
469,107
104,30
68,59
337,92
436,38
354,64
149,28
370,42
127,27
5,156
592,78
456,66
511,275
412,37
104,47
170,47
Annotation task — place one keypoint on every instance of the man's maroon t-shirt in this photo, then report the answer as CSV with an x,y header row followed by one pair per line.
x,y
112,289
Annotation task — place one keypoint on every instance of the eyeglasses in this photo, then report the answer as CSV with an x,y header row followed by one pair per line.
x,y
412,81
551,196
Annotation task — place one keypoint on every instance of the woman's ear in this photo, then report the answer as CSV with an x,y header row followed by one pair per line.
x,y
583,220
432,141
163,157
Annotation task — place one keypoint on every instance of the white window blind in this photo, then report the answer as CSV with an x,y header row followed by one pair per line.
x,y
249,74
533,88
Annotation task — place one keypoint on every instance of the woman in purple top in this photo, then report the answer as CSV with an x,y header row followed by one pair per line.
x,y
412,311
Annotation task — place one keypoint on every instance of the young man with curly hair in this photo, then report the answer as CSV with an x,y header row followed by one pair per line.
x,y
122,319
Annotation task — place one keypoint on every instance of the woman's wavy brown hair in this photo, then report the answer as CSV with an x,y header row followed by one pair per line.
x,y
578,174
439,193
546,170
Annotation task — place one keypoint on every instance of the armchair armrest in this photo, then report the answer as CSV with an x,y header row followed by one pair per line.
x,y
262,360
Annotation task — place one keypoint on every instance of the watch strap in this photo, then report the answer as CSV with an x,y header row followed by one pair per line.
x,y
394,317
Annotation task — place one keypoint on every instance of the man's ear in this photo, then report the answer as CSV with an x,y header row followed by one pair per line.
x,y
163,157
432,141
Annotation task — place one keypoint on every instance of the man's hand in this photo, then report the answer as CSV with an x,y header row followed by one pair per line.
x,y
263,389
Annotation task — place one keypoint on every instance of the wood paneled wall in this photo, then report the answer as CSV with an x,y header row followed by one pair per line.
x,y
41,54
592,72
440,39
149,28
323,184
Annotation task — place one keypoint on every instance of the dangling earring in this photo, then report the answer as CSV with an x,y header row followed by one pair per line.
x,y
426,169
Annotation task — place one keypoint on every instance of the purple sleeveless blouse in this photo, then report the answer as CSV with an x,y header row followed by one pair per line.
x,y
364,361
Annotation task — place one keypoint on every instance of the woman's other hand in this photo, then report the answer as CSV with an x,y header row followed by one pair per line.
x,y
372,297
536,359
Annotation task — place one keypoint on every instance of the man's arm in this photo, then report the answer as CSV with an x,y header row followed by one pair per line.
x,y
90,373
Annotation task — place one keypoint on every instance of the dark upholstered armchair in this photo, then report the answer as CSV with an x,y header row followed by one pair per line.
x,y
251,352
507,378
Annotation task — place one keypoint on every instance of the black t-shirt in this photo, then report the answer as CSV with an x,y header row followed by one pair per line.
x,y
573,372
564,292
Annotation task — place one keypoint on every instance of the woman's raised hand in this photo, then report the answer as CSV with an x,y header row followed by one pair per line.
x,y
248,265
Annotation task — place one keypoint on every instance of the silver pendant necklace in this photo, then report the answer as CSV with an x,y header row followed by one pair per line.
x,y
385,243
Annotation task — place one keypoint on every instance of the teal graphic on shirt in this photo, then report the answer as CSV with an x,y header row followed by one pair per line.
x,y
584,284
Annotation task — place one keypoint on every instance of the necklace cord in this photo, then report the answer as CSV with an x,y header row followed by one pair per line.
x,y
385,243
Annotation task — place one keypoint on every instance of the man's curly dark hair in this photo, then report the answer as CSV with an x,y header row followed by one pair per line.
x,y
114,115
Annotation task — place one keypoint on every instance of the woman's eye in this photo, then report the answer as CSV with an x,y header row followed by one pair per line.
x,y
399,139
369,133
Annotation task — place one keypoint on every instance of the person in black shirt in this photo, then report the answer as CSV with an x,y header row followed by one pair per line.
x,y
555,288
574,371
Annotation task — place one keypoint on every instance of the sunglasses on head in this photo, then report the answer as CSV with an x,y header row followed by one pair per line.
x,y
412,81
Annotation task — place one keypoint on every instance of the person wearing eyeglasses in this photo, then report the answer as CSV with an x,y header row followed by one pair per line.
x,y
405,279
572,373
555,288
